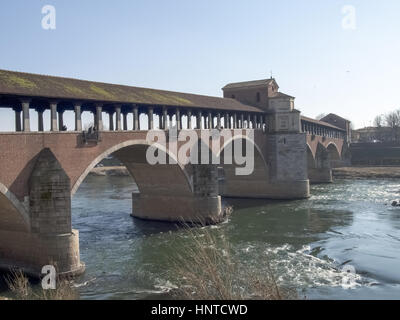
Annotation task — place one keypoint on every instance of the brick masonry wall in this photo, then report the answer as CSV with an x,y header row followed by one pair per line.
x,y
20,152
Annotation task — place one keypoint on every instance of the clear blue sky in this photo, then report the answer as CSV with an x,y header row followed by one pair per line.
x,y
199,46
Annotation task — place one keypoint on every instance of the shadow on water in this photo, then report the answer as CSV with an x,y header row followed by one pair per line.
x,y
148,227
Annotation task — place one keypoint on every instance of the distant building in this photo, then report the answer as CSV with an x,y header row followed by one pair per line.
x,y
374,134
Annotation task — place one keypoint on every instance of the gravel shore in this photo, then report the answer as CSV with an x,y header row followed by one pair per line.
x,y
367,173
343,173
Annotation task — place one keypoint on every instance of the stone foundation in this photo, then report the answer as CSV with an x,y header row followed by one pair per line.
x,y
188,209
29,252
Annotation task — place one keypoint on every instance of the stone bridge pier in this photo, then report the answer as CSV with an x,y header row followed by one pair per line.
x,y
172,192
39,232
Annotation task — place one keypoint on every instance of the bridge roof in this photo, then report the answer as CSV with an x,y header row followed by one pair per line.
x,y
51,87
320,123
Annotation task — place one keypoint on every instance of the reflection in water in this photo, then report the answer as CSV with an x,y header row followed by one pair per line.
x,y
307,242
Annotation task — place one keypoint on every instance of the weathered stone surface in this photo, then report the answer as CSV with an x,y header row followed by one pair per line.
x,y
49,196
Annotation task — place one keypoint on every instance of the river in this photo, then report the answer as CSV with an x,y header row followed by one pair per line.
x,y
347,224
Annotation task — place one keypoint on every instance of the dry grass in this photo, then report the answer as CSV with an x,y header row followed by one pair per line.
x,y
206,270
18,283
21,288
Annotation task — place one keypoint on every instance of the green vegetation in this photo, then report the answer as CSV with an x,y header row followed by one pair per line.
x,y
74,90
102,92
166,98
17,81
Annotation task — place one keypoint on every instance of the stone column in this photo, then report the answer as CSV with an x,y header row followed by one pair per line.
x,y
25,115
40,119
111,120
60,119
235,121
18,126
53,116
160,120
248,121
189,119
219,121
255,121
99,117
242,121
210,121
170,119
198,124
266,122
78,117
150,116
136,124
118,117
178,119
165,118
226,116
125,120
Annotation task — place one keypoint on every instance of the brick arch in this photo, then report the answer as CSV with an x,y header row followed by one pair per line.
x,y
314,141
254,185
334,152
310,157
12,211
321,156
118,149
243,137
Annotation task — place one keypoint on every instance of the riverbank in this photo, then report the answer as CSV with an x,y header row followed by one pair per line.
x,y
341,173
366,173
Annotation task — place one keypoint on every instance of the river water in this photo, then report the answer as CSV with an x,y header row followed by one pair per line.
x,y
347,225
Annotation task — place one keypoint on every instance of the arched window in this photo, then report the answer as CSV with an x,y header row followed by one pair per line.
x,y
258,97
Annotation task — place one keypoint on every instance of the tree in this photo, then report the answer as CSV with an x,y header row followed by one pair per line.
x,y
392,120
378,121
